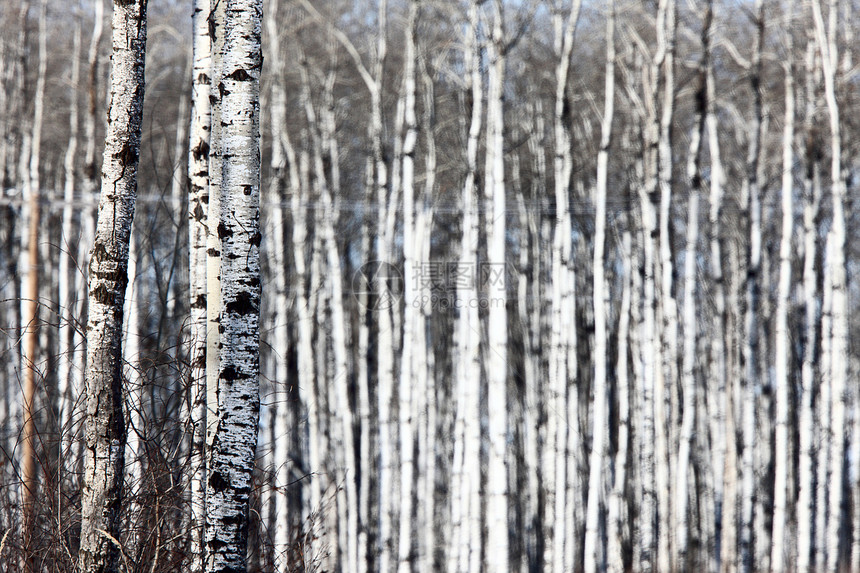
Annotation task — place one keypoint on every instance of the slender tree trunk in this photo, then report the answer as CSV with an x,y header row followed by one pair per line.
x,y
600,416
465,544
554,454
497,341
690,391
235,436
105,435
836,249
751,329
781,517
29,475
410,359
198,177
67,336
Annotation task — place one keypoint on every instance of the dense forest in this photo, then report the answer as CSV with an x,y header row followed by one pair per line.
x,y
429,285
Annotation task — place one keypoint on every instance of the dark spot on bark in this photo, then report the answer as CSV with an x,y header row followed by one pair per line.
x,y
200,302
200,151
254,282
213,252
202,78
99,252
256,238
127,155
198,213
213,100
220,328
230,374
217,482
223,90
244,304
102,294
223,231
217,544
247,189
235,519
240,75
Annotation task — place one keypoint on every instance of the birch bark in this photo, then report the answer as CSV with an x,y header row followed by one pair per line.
x,y
198,178
836,248
105,434
690,391
600,416
234,439
751,319
781,518
497,340
554,454
67,340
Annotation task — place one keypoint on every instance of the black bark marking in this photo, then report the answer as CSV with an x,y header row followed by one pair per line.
x,y
102,294
223,231
240,75
230,374
198,213
213,252
256,239
217,482
246,189
244,304
200,151
199,302
222,89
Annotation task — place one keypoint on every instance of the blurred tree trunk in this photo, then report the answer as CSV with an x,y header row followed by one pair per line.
x,y
30,316
600,416
781,516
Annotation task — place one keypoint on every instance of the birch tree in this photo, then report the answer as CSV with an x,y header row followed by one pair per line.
x,y
497,342
561,366
600,422
105,434
827,44
234,440
29,476
781,466
198,177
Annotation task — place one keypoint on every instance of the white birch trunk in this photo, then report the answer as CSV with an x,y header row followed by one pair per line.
x,y
839,314
751,329
779,553
497,340
198,177
217,32
600,415
409,365
105,433
235,435
558,418
67,377
666,375
134,382
465,551
690,392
